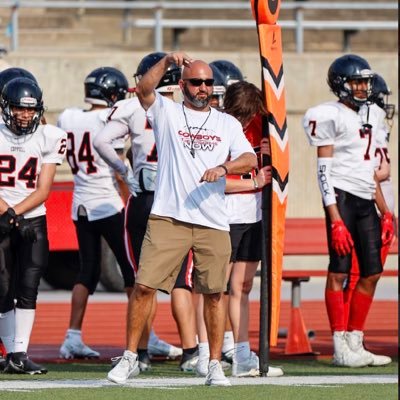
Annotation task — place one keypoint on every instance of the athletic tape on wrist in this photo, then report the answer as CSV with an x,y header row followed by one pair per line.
x,y
324,166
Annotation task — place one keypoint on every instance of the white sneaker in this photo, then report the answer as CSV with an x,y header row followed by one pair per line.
x,y
202,367
76,349
355,340
215,375
127,367
274,372
343,356
163,349
250,367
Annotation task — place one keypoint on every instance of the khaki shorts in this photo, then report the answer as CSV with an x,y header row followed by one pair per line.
x,y
166,244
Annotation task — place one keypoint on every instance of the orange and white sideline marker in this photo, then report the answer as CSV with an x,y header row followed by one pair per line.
x,y
275,127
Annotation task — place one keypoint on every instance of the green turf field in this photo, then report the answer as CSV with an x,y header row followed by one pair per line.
x,y
297,373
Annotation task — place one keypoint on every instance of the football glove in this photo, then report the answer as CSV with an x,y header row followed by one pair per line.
x,y
341,239
7,221
25,229
387,228
129,179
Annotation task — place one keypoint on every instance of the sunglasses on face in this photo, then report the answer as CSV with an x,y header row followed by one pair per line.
x,y
199,82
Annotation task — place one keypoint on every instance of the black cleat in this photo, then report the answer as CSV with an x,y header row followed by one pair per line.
x,y
19,363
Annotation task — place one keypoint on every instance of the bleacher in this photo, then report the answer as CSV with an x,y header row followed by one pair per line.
x,y
102,29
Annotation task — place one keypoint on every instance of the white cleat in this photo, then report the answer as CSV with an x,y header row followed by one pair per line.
x,y
355,340
215,375
344,356
74,349
127,368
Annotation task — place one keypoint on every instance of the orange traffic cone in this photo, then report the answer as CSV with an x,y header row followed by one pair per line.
x,y
297,339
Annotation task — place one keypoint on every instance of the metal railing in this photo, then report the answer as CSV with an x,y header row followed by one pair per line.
x,y
158,22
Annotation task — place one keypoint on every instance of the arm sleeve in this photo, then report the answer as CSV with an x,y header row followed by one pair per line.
x,y
104,144
324,166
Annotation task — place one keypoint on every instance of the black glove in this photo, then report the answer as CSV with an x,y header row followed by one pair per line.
x,y
25,229
7,220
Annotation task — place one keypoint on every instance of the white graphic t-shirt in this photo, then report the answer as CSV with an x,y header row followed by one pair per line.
x,y
189,142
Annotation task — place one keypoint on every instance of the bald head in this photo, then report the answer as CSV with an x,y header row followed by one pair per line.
x,y
197,69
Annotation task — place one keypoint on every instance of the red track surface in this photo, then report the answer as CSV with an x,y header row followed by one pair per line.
x,y
104,328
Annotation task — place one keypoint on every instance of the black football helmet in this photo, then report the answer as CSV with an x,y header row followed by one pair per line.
x,y
21,93
14,72
169,82
219,87
229,71
345,68
380,96
105,86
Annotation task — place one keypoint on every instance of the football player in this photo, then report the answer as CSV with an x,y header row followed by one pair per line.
x,y
345,134
97,207
29,155
128,117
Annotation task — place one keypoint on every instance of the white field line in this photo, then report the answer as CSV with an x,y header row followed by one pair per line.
x,y
26,385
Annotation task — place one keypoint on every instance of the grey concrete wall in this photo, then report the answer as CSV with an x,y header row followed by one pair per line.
x,y
61,76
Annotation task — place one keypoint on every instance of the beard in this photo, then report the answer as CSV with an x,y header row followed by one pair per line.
x,y
194,101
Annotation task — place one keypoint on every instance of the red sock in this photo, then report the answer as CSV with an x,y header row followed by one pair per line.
x,y
359,308
353,278
335,309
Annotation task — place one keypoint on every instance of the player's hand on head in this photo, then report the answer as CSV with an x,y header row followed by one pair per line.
x,y
179,58
25,229
341,240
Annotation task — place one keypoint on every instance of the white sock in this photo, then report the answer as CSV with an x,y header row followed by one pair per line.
x,y
7,330
23,327
74,334
228,341
242,352
204,351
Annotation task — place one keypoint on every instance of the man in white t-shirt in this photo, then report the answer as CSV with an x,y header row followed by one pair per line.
x,y
344,133
193,143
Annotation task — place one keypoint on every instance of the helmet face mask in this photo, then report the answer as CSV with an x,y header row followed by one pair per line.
x,y
380,96
105,86
170,80
20,94
344,72
217,98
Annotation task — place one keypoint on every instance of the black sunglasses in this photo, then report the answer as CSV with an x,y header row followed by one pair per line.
x,y
199,82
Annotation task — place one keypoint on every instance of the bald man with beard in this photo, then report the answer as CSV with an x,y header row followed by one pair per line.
x,y
194,142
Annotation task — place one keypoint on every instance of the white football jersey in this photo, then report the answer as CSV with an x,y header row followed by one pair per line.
x,y
144,153
381,153
333,123
95,185
21,160
212,136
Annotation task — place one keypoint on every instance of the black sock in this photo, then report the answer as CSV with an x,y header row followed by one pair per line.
x,y
191,351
